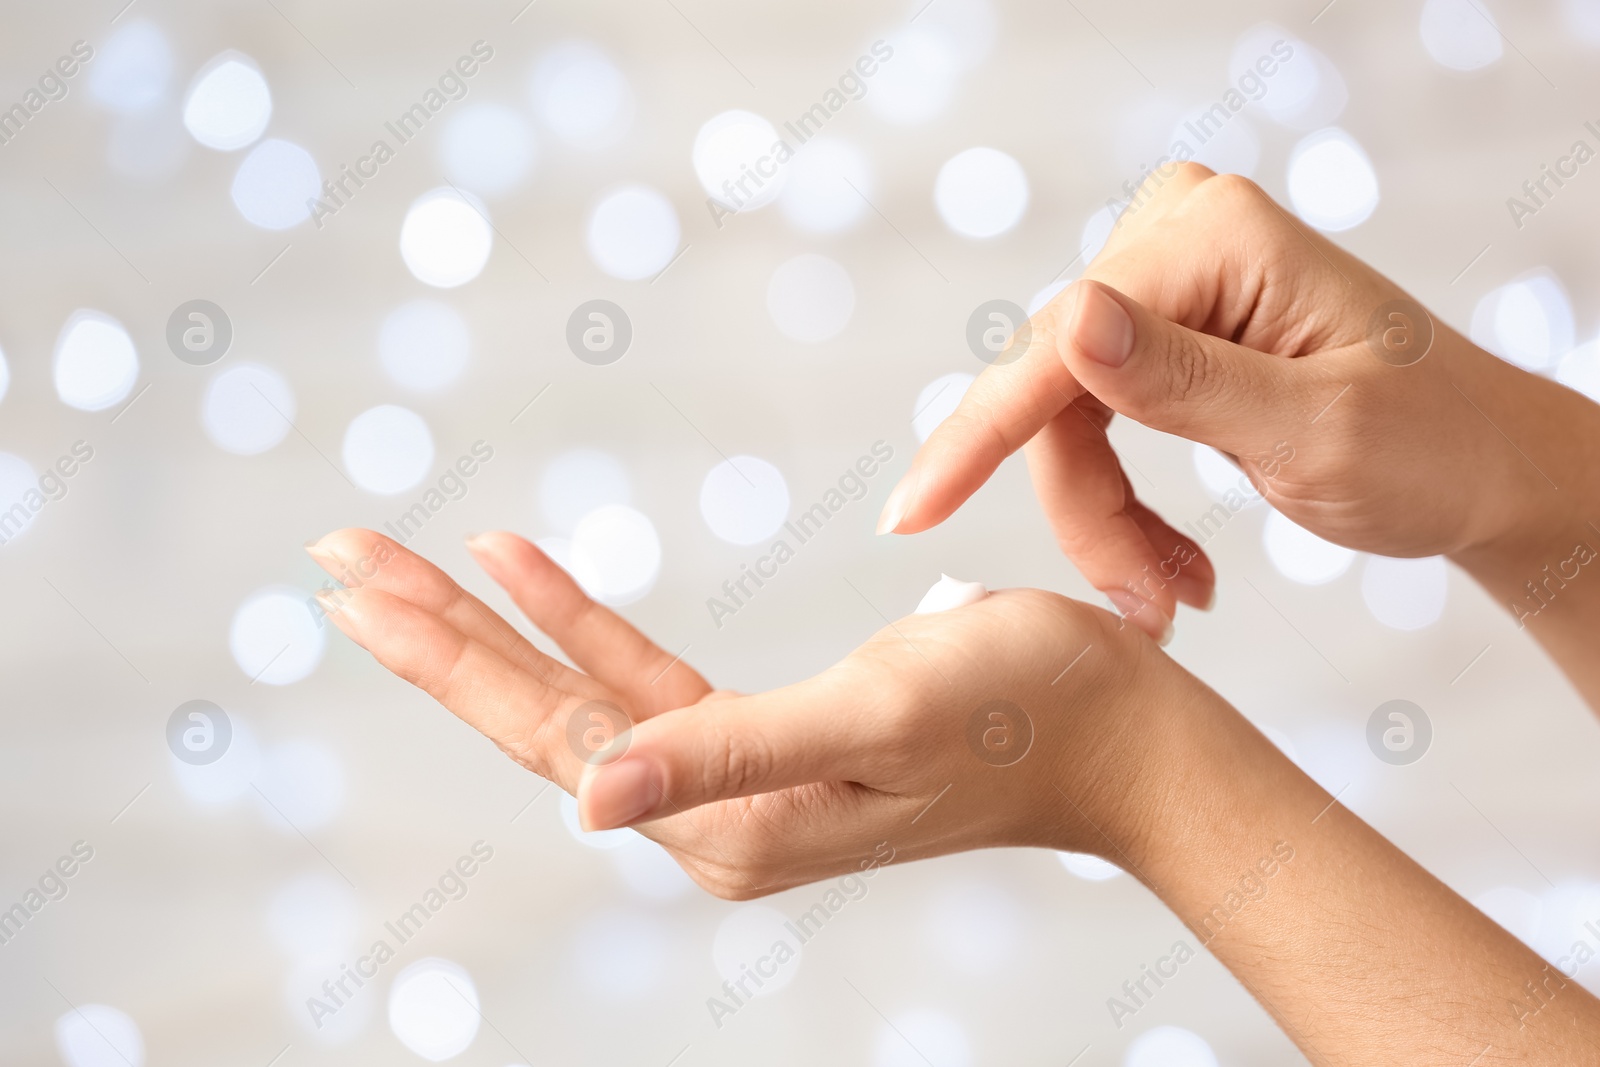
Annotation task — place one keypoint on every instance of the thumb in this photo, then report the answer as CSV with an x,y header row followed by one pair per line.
x,y
1174,379
722,749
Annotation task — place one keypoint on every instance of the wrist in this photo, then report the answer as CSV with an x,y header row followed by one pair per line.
x,y
1539,495
1222,806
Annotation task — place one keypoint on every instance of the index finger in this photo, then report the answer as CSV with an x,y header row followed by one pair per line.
x,y
1002,410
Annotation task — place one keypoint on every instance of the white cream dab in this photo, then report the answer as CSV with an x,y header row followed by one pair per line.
x,y
949,593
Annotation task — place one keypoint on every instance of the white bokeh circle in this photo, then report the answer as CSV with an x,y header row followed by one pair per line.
x,y
229,103
248,409
633,233
1300,555
98,1035
1527,321
744,942
275,185
433,1009
1332,184
616,554
423,345
488,148
736,158
830,184
1405,594
1460,34
445,239
744,500
275,638
387,449
577,482
811,298
1088,867
95,364
130,71
581,95
1169,1046
981,192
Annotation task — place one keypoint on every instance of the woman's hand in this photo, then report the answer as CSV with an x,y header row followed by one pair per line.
x,y
1213,315
1023,719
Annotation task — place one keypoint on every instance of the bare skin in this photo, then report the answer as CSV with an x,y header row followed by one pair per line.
x,y
1213,315
1361,955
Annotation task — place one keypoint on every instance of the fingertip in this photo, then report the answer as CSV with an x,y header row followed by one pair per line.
x,y
618,794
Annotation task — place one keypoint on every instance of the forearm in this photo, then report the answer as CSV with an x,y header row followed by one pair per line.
x,y
1544,569
1360,954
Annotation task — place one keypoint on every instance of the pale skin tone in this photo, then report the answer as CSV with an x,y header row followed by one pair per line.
x,y
1359,954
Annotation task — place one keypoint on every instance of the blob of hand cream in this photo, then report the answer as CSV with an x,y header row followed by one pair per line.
x,y
949,593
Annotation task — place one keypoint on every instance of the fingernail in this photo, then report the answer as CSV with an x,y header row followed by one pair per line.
x,y
473,544
1195,593
1142,613
1101,328
894,509
329,599
619,794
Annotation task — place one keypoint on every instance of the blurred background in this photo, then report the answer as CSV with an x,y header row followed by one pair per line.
x,y
239,324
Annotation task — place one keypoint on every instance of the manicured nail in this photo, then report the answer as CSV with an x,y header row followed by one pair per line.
x,y
1142,613
894,509
329,599
1195,593
1101,328
619,794
473,542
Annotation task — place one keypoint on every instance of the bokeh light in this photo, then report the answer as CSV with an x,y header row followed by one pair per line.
x,y
1528,321
921,1036
744,945
132,70
633,233
916,84
1169,1046
300,786
811,298
1300,555
387,449
229,104
488,148
224,780
1405,594
445,240
981,192
275,185
275,638
313,915
98,1035
17,479
423,345
95,364
581,95
248,409
1331,181
620,955
1088,867
619,551
579,481
829,186
744,500
433,1009
734,159
1460,34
